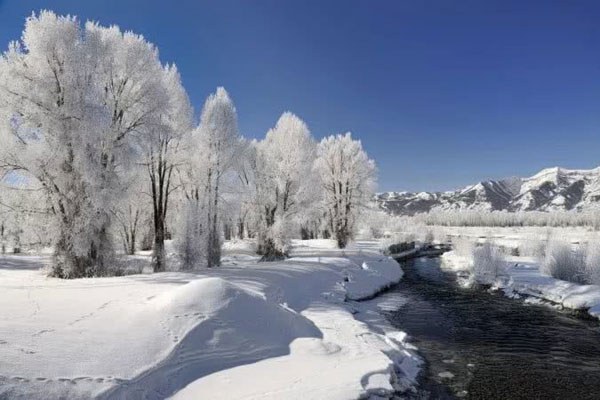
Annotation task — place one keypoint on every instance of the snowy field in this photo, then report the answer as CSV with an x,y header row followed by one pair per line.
x,y
516,236
247,330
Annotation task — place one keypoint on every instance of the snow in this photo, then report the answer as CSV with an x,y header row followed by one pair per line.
x,y
424,196
523,277
214,332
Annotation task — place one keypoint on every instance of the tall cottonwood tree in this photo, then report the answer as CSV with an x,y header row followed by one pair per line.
x,y
245,185
220,139
72,100
161,146
347,181
214,149
282,176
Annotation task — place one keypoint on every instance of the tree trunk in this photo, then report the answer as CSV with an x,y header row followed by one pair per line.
x,y
270,252
158,256
132,243
227,231
241,229
342,239
65,263
304,233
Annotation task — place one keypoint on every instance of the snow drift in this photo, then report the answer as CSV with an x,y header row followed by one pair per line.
x,y
262,330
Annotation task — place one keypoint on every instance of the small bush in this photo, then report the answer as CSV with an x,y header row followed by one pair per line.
x,y
488,263
401,247
533,248
592,263
562,262
428,237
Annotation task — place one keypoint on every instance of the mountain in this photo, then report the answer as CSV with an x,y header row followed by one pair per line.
x,y
551,189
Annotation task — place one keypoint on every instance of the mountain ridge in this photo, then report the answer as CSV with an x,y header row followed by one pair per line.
x,y
551,189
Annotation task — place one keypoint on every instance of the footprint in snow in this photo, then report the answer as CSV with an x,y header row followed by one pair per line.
x,y
42,332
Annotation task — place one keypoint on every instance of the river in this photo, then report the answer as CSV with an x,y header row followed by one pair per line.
x,y
479,344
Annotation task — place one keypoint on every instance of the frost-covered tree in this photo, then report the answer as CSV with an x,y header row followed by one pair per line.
x,y
214,149
72,101
161,144
24,216
347,181
245,193
192,201
282,174
133,210
220,141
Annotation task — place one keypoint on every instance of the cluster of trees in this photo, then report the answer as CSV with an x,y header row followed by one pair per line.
x,y
98,146
588,218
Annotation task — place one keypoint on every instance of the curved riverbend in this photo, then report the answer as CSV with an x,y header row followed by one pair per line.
x,y
482,345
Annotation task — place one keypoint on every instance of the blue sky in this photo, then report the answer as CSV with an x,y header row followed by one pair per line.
x,y
442,93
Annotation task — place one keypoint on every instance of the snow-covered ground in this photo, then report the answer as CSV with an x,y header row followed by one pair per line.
x,y
246,330
523,277
516,236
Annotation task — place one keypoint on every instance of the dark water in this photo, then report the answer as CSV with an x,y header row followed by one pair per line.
x,y
494,347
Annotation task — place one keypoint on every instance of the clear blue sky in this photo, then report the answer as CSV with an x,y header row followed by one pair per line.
x,y
442,93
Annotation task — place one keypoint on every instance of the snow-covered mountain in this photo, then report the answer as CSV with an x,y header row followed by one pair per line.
x,y
549,190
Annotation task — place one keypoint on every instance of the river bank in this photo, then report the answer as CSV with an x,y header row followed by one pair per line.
x,y
523,277
192,335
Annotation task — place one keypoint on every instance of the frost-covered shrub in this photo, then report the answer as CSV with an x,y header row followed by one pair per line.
x,y
565,263
592,263
488,263
190,243
462,246
401,247
395,242
578,265
275,243
429,238
372,224
405,237
129,265
533,248
395,224
589,218
282,233
440,234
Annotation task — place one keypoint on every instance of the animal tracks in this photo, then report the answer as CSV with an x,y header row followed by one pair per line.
x,y
196,314
90,314
168,330
71,381
42,332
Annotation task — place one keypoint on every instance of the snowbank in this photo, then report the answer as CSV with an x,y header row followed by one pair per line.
x,y
523,276
246,330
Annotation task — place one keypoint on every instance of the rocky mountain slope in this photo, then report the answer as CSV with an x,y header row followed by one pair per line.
x,y
549,190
